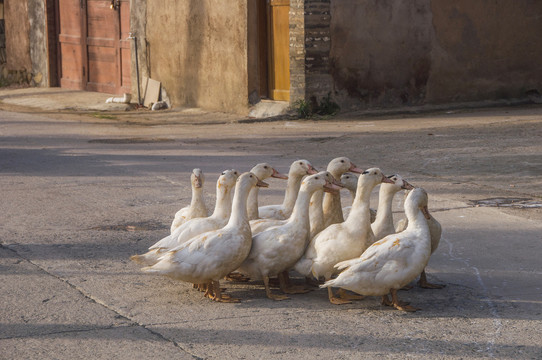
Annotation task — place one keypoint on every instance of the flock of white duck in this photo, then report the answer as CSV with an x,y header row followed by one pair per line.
x,y
310,232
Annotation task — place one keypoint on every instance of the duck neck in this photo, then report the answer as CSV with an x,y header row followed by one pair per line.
x,y
300,212
384,215
332,203
332,206
359,214
239,216
223,202
315,208
352,194
252,203
292,189
197,198
416,220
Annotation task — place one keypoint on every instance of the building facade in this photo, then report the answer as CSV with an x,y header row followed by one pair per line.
x,y
228,55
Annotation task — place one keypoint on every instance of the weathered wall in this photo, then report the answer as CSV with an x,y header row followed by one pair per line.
x,y
197,49
26,45
392,52
297,50
318,79
17,38
485,49
38,42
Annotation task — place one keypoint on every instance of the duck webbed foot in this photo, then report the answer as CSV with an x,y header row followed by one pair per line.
x,y
200,287
386,300
346,296
336,300
288,288
423,283
268,292
214,292
400,305
236,277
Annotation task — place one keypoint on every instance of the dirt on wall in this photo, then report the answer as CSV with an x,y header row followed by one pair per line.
x,y
395,53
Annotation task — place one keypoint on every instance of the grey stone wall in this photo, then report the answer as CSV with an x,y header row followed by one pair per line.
x,y
297,50
310,76
318,79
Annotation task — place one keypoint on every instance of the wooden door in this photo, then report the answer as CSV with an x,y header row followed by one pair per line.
x,y
108,50
95,52
70,41
279,49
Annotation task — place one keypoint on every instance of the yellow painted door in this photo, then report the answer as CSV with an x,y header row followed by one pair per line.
x,y
279,50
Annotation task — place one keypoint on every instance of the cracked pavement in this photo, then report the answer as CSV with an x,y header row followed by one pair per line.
x,y
82,193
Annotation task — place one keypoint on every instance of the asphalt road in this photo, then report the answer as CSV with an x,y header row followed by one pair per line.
x,y
80,194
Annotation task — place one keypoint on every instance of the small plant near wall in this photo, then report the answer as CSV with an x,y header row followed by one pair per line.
x,y
327,106
303,109
320,109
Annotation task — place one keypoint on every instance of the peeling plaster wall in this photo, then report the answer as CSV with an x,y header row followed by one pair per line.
x,y
197,49
395,53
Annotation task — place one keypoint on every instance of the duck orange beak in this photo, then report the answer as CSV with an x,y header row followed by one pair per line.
x,y
262,184
278,175
312,170
385,179
406,186
355,169
331,187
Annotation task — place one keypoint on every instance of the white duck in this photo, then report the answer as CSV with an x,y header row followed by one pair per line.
x,y
316,214
262,171
343,241
383,224
197,207
219,218
350,182
392,262
332,202
276,249
316,211
298,170
435,229
208,257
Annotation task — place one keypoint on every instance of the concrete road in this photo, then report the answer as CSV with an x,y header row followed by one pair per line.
x,y
80,194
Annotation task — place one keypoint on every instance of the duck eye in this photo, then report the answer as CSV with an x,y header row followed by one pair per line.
x,y
300,163
265,167
317,178
342,161
224,173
